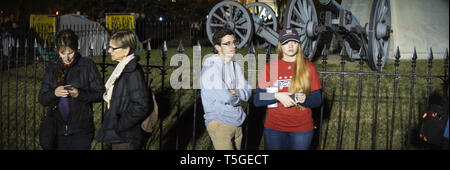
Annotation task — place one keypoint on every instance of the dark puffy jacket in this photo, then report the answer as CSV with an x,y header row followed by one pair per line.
x,y
84,76
129,106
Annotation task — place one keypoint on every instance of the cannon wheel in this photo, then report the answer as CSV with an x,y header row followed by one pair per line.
x,y
378,33
301,15
264,16
233,16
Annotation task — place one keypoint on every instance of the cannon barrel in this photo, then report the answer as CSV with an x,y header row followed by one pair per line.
x,y
335,7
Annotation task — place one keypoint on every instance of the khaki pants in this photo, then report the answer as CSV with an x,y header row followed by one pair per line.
x,y
123,146
223,136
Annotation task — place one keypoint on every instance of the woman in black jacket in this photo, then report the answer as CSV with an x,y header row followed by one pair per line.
x,y
70,85
126,96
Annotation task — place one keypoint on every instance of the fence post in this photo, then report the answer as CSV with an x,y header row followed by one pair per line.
x,y
147,66
8,94
446,72
430,64
16,66
35,61
196,58
163,73
25,94
377,92
323,79
147,70
251,50
411,97
180,52
103,67
341,94
394,103
358,112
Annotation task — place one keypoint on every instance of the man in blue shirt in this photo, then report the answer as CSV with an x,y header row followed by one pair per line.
x,y
223,86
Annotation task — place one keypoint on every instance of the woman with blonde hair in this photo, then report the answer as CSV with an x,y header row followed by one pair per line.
x,y
289,87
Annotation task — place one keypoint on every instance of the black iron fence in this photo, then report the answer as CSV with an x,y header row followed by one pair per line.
x,y
362,109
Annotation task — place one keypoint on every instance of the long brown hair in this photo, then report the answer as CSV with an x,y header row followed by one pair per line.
x,y
300,76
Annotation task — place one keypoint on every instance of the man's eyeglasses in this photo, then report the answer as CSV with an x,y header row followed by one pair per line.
x,y
229,43
113,49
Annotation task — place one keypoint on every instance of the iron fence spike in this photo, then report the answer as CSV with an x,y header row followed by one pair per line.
x,y
91,45
165,46
342,53
430,55
361,52
414,57
251,49
180,47
79,45
269,50
397,59
397,54
446,54
149,47
324,50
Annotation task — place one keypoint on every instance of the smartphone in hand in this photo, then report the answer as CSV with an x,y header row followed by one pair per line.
x,y
68,87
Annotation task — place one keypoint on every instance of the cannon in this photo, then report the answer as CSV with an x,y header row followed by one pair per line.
x,y
369,42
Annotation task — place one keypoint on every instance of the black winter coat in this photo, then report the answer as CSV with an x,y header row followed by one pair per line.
x,y
129,106
84,76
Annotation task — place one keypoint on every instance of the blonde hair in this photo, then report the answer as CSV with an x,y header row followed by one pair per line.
x,y
300,77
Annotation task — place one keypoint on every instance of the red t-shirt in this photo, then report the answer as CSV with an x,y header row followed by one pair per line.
x,y
291,119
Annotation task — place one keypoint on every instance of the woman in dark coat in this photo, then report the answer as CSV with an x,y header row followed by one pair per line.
x,y
70,85
126,96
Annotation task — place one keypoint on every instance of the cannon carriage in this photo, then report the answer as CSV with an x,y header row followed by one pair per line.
x,y
257,24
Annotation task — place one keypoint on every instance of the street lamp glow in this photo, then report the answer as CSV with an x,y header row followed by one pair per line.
x,y
160,18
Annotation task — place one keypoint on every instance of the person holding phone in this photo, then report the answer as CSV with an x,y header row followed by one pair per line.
x,y
288,124
70,85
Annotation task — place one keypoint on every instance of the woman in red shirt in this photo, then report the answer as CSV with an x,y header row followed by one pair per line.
x,y
289,87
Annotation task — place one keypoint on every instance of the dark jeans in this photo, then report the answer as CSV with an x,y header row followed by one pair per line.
x,y
75,142
279,140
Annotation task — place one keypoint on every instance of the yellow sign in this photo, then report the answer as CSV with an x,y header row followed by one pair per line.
x,y
116,22
44,25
